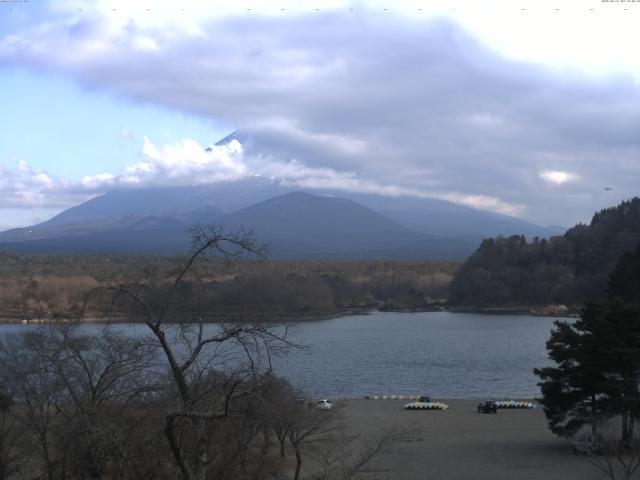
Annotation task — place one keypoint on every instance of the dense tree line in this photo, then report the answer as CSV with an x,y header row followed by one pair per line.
x,y
33,287
568,269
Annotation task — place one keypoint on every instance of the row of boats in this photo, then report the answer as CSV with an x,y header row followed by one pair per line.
x,y
485,406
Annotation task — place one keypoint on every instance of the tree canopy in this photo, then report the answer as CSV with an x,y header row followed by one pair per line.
x,y
597,359
570,269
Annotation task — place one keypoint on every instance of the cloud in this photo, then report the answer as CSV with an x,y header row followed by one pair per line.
x,y
26,187
557,177
183,162
187,162
386,103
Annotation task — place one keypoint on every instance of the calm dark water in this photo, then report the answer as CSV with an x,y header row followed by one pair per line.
x,y
446,355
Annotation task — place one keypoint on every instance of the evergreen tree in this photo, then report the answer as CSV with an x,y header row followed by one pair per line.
x,y
574,391
597,360
624,282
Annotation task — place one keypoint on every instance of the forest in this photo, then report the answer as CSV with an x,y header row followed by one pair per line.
x,y
54,287
564,270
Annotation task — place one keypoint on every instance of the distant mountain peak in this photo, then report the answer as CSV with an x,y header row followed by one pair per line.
x,y
235,135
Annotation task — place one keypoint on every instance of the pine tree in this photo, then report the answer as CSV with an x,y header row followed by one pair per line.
x,y
597,360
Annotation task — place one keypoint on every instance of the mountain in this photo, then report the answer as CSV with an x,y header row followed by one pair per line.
x,y
146,235
299,224
117,208
202,216
569,269
330,222
426,215
295,225
438,217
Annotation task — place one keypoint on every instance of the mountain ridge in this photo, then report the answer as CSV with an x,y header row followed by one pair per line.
x,y
296,225
425,215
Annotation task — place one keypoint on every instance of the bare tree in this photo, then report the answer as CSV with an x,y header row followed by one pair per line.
x,y
311,427
193,351
35,390
348,455
11,458
333,452
281,408
618,460
102,375
73,394
189,399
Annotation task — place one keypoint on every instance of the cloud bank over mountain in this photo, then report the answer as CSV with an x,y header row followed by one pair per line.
x,y
355,101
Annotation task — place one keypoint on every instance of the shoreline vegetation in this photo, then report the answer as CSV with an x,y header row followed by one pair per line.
x,y
553,311
52,288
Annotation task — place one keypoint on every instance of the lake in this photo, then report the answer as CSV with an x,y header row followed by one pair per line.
x,y
443,354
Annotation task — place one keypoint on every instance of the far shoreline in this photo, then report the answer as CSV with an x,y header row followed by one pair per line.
x,y
532,311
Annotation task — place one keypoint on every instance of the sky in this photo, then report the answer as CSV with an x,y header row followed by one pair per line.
x,y
529,109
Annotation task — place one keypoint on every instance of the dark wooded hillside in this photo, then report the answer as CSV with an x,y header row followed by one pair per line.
x,y
569,269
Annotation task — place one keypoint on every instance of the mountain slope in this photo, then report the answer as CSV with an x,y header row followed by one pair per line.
x,y
438,217
146,235
300,224
296,225
426,215
120,207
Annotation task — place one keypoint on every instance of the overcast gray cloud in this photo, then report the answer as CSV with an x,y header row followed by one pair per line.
x,y
400,105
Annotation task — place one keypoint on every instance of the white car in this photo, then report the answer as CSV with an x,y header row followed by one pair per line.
x,y
324,404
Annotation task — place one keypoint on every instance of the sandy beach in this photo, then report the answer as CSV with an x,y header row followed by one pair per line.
x,y
460,443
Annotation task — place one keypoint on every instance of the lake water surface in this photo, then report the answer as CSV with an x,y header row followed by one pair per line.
x,y
443,354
